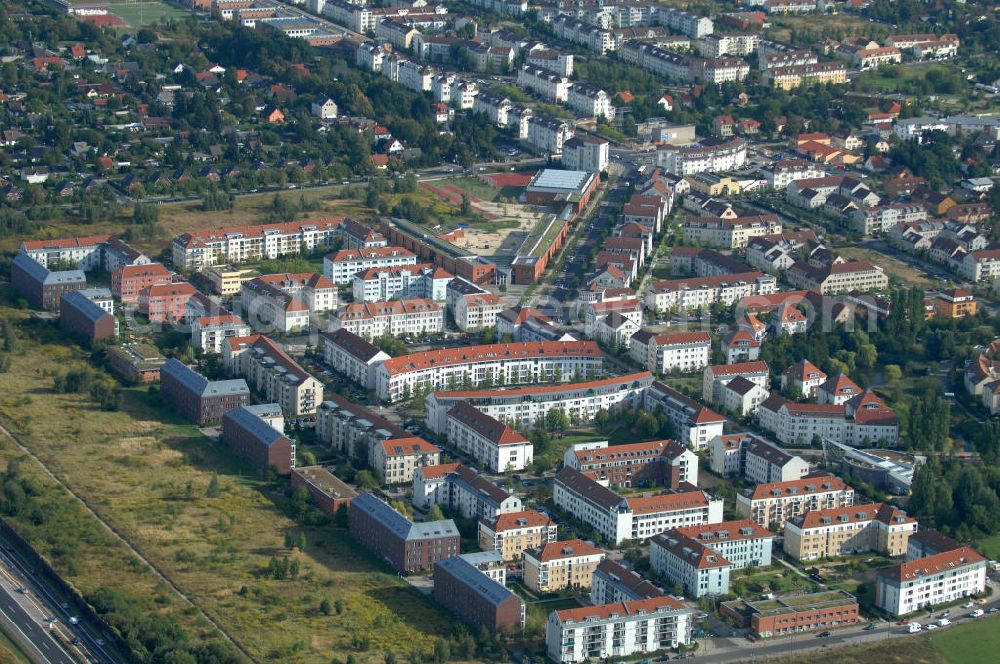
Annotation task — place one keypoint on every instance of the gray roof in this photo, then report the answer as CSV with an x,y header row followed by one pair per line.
x,y
200,385
96,293
474,580
482,558
83,305
43,275
399,524
265,409
253,425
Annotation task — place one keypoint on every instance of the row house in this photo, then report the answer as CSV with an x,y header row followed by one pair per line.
x,y
702,292
555,61
313,290
697,568
738,44
488,440
709,154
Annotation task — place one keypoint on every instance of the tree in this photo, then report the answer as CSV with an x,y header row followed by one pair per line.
x,y
556,420
145,214
325,608
442,651
435,513
213,486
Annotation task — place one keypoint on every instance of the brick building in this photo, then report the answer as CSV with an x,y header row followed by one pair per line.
x,y
138,363
41,287
130,280
404,545
86,320
781,616
257,442
197,398
476,598
166,302
328,492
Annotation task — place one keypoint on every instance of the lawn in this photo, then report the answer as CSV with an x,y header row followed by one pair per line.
x,y
147,13
990,547
147,473
970,643
896,651
892,266
10,653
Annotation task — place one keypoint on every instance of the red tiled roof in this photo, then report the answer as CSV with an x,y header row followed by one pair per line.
x,y
942,562
856,514
514,520
440,470
603,611
756,366
560,550
65,243
804,487
408,446
541,389
189,239
490,352
667,502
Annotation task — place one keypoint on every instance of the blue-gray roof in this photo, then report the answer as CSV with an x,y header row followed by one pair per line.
x,y
399,524
83,305
43,275
253,425
200,385
472,578
482,558
265,410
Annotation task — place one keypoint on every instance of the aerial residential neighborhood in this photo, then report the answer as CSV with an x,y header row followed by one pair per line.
x,y
499,331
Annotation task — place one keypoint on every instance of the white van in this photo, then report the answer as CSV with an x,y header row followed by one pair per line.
x,y
976,613
943,622
914,627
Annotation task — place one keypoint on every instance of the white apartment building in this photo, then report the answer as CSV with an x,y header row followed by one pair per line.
x,y
477,311
240,244
882,218
420,280
522,407
779,174
586,153
739,44
341,267
714,377
556,566
507,364
546,134
590,100
550,86
671,351
684,22
209,333
696,425
351,428
271,372
619,519
463,490
754,459
397,318
712,155
555,61
776,502
865,419
925,582
573,636
313,290
487,440
266,306
494,106
701,571
350,355
694,293
416,76
729,233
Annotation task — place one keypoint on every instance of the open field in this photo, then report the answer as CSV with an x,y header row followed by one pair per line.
x,y
896,651
990,547
146,13
10,653
892,266
970,643
146,473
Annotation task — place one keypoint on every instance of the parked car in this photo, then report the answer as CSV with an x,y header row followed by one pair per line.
x,y
823,635
976,613
943,622
914,628
870,626
931,626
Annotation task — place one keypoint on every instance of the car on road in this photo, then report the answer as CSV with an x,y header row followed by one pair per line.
x,y
943,622
914,628
904,621
976,613
75,640
823,635
73,620
870,626
22,590
701,616
931,626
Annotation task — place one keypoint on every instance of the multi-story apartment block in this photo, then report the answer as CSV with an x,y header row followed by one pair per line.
x,y
739,346
843,531
478,600
838,277
774,503
167,302
352,356
863,419
699,569
130,280
462,490
404,545
573,636
729,233
743,543
477,311
496,107
548,85
614,583
694,293
555,566
523,407
79,253
258,443
487,440
659,462
882,218
547,134
668,352
396,460
84,319
267,306
793,76
227,281
503,364
341,267
273,373
618,518
695,424
512,533
198,399
41,287
313,290
718,375
756,460
717,45
398,318
555,61
803,378
719,70
711,154
590,100
420,280
687,23
586,153
241,244
918,584
779,174
209,333
352,429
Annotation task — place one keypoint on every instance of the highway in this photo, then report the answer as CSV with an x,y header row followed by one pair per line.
x,y
27,629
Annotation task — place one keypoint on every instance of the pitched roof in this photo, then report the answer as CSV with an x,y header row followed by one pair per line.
x,y
575,548
544,389
931,565
489,427
352,344
726,531
668,502
408,447
515,520
887,514
490,352
739,368
604,611
803,487
689,550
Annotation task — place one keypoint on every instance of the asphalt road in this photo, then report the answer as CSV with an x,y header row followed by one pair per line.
x,y
45,648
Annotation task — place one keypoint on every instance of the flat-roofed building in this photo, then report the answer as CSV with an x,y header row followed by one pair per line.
x,y
553,187
491,442
556,566
627,628
197,398
842,531
927,582
478,600
352,356
136,363
774,503
406,546
255,441
511,533
328,492
794,614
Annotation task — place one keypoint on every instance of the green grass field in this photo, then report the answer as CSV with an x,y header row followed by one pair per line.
x,y
970,643
147,13
990,547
